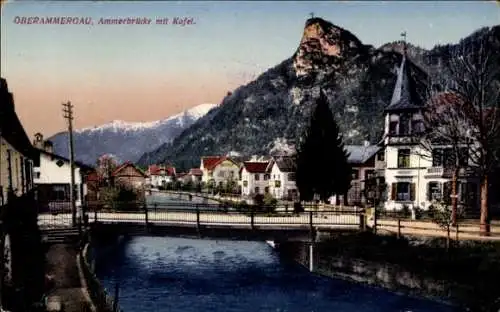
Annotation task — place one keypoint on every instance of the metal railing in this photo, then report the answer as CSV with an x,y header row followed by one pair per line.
x,y
222,214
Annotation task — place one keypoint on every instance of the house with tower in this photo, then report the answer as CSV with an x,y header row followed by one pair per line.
x,y
415,176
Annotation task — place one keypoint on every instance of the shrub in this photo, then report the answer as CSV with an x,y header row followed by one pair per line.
x,y
120,198
243,205
297,207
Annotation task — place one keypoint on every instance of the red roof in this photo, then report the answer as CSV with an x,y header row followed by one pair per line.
x,y
195,171
92,177
255,167
159,170
125,165
210,162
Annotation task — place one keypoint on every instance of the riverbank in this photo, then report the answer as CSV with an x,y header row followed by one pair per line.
x,y
465,276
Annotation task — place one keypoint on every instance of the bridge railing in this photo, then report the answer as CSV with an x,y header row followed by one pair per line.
x,y
221,214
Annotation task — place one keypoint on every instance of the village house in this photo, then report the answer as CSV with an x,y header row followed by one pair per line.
x,y
282,177
129,176
254,178
16,151
52,176
364,160
160,175
415,176
218,170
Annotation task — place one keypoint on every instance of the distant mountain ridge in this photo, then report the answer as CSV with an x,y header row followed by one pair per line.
x,y
270,113
127,140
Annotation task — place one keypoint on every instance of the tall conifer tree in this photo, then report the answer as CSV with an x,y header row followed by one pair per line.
x,y
322,167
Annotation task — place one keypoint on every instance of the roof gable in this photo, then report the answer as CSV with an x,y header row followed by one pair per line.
x,y
127,165
210,162
255,167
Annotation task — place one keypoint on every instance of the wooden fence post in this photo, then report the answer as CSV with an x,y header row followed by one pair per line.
x,y
146,214
399,228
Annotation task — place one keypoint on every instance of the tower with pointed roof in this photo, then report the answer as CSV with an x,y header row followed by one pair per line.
x,y
403,129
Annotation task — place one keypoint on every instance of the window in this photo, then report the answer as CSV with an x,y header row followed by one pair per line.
x,y
404,158
437,157
221,174
277,183
257,177
381,156
463,160
355,174
267,177
23,178
59,193
393,127
37,175
266,189
448,158
257,190
404,124
434,191
291,176
403,191
417,126
220,183
369,174
9,169
245,183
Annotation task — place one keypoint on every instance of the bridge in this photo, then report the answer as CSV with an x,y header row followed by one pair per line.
x,y
210,220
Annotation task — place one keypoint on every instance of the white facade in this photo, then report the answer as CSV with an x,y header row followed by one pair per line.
x,y
254,183
223,172
157,180
281,184
56,171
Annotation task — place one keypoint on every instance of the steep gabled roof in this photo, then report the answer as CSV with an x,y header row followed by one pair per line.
x,y
405,95
360,154
11,128
255,167
284,163
210,162
195,172
125,165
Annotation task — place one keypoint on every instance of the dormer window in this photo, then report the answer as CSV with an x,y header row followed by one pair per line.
x,y
417,126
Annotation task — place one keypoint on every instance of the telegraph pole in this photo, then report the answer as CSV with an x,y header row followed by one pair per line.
x,y
68,115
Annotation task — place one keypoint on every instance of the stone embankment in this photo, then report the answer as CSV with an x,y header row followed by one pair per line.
x,y
466,275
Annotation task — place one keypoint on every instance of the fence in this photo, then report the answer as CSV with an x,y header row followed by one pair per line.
x,y
208,214
101,300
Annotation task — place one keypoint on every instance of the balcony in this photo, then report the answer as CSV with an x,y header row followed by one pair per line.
x,y
448,172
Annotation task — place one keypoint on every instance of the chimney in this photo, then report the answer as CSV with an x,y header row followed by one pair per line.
x,y
48,147
38,141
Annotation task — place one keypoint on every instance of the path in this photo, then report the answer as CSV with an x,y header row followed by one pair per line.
x,y
62,266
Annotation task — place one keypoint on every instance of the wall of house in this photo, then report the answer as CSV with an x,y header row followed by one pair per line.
x,y
129,176
419,174
159,180
262,183
50,173
17,167
285,183
225,171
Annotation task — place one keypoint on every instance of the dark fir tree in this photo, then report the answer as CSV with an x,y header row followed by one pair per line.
x,y
322,167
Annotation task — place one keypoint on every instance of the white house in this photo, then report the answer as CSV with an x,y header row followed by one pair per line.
x,y
254,178
160,175
52,176
282,177
416,176
219,170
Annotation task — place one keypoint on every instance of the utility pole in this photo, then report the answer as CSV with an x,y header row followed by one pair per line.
x,y
68,115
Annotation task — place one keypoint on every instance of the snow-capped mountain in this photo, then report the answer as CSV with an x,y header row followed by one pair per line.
x,y
127,140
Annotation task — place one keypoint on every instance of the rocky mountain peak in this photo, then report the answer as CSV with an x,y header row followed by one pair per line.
x,y
323,43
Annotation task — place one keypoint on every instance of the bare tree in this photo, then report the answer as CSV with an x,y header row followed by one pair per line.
x,y
475,77
446,128
106,164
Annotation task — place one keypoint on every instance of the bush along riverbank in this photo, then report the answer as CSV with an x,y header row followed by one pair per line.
x,y
466,275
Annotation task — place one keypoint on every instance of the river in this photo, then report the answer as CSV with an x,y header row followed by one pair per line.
x,y
187,275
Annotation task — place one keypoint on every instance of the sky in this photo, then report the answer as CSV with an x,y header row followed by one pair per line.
x,y
149,72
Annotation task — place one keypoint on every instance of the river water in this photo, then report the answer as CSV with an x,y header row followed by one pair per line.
x,y
187,275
